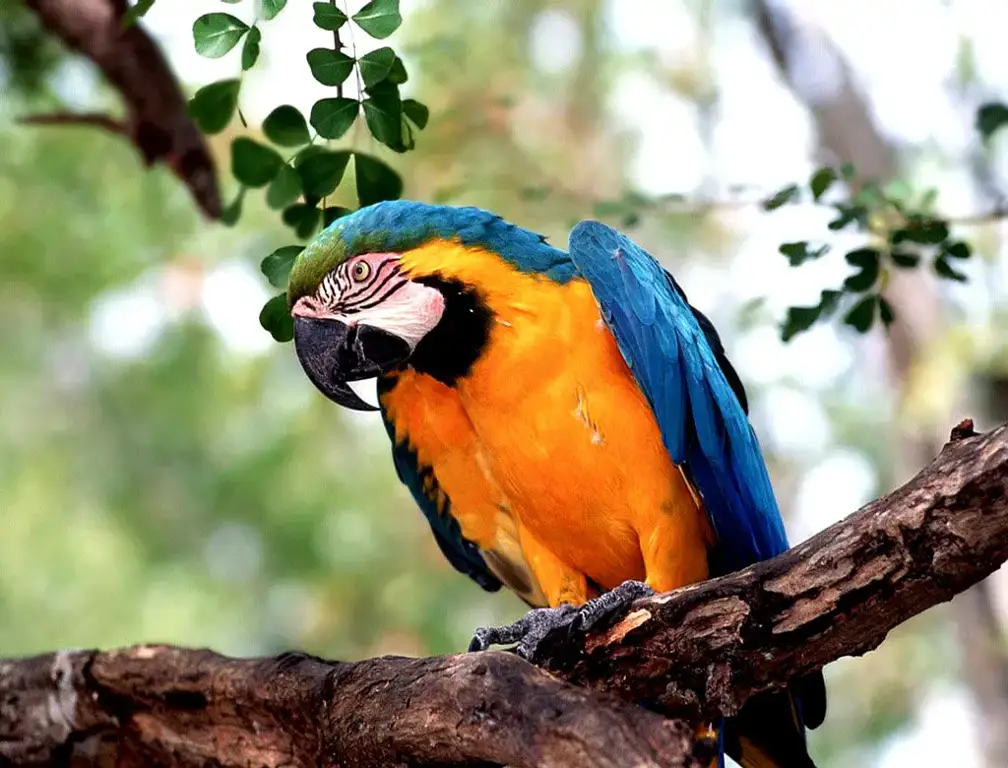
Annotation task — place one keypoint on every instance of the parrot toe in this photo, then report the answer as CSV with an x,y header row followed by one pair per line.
x,y
527,632
532,628
608,603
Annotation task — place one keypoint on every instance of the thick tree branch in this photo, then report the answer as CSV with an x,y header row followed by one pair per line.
x,y
691,654
160,706
709,647
157,120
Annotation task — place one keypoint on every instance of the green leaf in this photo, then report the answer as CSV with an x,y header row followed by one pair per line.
x,y
333,212
847,171
946,270
398,74
957,249
214,34
254,164
277,265
847,215
921,230
870,196
886,311
276,318
867,260
303,219
270,8
232,212
322,171
904,259
928,199
328,16
406,132
383,113
821,181
136,12
331,118
799,252
379,18
285,126
862,315
829,301
781,197
213,105
990,118
250,50
329,67
284,189
416,112
375,180
800,319
376,65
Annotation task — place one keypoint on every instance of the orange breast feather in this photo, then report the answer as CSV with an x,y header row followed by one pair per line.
x,y
548,451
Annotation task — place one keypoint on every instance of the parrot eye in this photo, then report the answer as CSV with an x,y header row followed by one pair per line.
x,y
360,271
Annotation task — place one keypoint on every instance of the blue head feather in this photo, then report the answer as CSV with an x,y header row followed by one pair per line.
x,y
401,225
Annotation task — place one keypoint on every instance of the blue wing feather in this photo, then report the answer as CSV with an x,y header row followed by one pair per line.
x,y
702,419
677,359
463,554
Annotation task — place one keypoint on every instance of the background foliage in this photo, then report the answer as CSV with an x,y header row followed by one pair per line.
x,y
167,473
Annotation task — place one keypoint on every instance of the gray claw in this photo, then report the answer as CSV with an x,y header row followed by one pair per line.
x,y
532,628
527,632
607,603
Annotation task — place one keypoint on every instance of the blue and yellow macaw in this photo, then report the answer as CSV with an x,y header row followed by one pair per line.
x,y
568,424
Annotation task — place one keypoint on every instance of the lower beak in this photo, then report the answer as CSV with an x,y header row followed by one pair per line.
x,y
333,353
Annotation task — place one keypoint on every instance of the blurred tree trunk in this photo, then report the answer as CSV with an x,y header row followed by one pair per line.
x,y
819,76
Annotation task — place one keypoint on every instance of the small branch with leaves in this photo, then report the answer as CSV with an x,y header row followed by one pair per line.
x,y
690,655
300,185
902,228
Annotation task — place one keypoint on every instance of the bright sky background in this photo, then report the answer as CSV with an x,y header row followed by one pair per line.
x,y
905,53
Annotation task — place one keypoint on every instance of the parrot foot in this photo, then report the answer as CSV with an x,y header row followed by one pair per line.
x,y
532,628
608,603
528,631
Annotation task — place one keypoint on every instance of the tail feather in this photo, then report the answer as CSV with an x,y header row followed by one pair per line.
x,y
769,731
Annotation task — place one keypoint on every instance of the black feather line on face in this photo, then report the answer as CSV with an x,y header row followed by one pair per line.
x,y
368,292
371,305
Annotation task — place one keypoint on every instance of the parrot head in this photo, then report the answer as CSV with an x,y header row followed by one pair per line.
x,y
359,312
364,318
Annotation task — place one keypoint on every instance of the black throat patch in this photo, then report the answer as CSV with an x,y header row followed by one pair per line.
x,y
448,352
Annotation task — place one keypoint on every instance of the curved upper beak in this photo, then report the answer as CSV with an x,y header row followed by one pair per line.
x,y
333,353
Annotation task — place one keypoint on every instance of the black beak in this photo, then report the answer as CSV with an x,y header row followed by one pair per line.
x,y
333,353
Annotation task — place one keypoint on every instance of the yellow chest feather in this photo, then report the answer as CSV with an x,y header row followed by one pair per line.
x,y
550,440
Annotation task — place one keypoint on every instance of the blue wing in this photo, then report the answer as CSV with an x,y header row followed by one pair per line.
x,y
436,506
679,363
673,353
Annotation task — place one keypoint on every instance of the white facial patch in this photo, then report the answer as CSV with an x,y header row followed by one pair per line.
x,y
371,290
410,313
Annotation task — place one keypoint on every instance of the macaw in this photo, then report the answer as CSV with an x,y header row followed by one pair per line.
x,y
567,422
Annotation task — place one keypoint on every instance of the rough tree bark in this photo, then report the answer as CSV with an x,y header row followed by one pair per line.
x,y
157,120
691,654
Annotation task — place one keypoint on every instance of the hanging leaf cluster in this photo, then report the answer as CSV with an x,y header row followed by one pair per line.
x,y
903,233
293,162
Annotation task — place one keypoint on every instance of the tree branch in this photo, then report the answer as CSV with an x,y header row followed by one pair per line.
x,y
158,120
161,706
693,654
707,648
